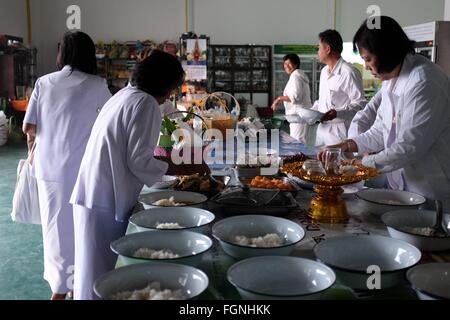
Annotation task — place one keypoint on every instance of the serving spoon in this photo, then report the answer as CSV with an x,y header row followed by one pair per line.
x,y
438,230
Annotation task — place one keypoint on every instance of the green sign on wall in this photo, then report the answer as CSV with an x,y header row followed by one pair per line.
x,y
295,48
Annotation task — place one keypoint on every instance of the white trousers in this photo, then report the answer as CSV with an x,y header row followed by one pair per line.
x,y
331,133
298,131
94,232
57,234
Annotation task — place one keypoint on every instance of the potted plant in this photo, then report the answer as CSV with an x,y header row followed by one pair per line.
x,y
168,126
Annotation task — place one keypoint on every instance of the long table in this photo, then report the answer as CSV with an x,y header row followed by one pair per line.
x,y
216,262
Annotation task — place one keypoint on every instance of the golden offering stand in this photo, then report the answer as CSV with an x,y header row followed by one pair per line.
x,y
327,206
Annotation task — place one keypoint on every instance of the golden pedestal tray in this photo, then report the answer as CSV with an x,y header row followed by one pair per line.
x,y
327,206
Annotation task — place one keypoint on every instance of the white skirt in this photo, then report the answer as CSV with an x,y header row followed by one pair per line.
x,y
94,232
58,235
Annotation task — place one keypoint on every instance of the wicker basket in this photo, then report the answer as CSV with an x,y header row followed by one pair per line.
x,y
228,122
221,124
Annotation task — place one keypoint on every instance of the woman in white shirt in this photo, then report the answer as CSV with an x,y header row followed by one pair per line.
x,y
296,94
117,163
365,118
60,115
413,121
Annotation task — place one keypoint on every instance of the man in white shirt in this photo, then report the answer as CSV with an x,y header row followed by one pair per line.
x,y
341,92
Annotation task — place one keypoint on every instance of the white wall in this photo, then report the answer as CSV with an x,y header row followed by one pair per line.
x,y
106,20
225,21
447,10
13,18
262,21
351,13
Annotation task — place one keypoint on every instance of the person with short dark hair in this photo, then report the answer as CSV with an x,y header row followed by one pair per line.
x,y
333,39
60,115
117,163
341,92
296,94
412,127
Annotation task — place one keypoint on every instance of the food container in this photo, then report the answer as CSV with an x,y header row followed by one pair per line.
x,y
280,278
355,258
380,201
245,200
255,226
19,105
191,281
405,224
431,281
190,199
188,219
189,246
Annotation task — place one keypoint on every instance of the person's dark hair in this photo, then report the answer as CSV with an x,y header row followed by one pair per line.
x,y
292,57
158,74
389,43
333,39
77,50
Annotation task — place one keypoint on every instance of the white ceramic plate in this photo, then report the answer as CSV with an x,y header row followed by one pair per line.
x,y
190,219
193,199
348,190
308,115
252,226
380,201
357,253
166,182
277,277
391,197
188,245
431,281
352,257
396,221
191,281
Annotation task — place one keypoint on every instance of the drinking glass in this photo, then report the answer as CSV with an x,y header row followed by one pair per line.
x,y
313,167
333,158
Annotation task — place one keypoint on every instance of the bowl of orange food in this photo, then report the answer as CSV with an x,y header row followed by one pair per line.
x,y
19,105
283,184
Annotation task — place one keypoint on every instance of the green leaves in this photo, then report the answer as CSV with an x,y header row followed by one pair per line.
x,y
168,126
189,116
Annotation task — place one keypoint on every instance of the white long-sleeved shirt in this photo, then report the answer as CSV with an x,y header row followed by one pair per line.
x,y
298,91
119,155
364,119
64,106
340,89
418,102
